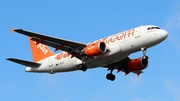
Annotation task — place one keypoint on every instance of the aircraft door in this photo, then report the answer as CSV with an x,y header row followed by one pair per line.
x,y
50,64
138,32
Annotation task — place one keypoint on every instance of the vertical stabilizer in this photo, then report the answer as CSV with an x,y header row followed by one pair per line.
x,y
39,51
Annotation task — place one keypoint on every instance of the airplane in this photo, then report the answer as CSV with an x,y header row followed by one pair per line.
x,y
110,52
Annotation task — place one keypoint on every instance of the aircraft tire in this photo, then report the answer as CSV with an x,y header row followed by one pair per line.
x,y
82,67
110,76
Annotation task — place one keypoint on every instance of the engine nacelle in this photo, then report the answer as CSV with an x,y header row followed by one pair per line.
x,y
138,64
95,49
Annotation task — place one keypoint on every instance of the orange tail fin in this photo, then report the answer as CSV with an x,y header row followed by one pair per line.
x,y
39,51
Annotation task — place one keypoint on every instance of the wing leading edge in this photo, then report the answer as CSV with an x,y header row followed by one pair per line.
x,y
59,44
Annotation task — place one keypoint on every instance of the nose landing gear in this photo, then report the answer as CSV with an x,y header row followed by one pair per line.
x,y
144,49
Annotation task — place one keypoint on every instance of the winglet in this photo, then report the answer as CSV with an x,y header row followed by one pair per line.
x,y
12,30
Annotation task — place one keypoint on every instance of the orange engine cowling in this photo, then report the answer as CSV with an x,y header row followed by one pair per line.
x,y
138,64
95,49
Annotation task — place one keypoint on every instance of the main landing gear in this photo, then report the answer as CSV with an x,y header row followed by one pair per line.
x,y
111,76
82,67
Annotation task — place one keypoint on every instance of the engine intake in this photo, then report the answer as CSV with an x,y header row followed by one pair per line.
x,y
138,64
95,49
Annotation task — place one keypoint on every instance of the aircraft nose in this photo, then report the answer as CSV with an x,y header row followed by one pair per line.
x,y
164,34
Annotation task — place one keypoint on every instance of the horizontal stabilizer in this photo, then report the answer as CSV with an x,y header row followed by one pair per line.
x,y
25,63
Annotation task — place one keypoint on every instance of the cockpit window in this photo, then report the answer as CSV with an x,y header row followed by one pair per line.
x,y
150,28
157,28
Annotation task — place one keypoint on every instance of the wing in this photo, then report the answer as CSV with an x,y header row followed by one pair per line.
x,y
25,63
122,66
59,44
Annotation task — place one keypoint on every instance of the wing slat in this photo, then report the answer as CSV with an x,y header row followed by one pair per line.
x,y
71,44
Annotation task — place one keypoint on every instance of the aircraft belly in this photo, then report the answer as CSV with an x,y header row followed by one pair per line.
x,y
103,61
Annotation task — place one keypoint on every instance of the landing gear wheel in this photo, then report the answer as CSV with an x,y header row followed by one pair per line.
x,y
110,76
145,57
82,67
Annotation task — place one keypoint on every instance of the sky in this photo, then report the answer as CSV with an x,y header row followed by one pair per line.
x,y
85,21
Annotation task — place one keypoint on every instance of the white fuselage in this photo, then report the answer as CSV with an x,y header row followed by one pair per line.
x,y
119,46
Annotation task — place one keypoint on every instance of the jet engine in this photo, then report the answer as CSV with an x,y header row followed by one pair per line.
x,y
95,49
138,64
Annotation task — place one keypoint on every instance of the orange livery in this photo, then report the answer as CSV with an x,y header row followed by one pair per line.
x,y
111,52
